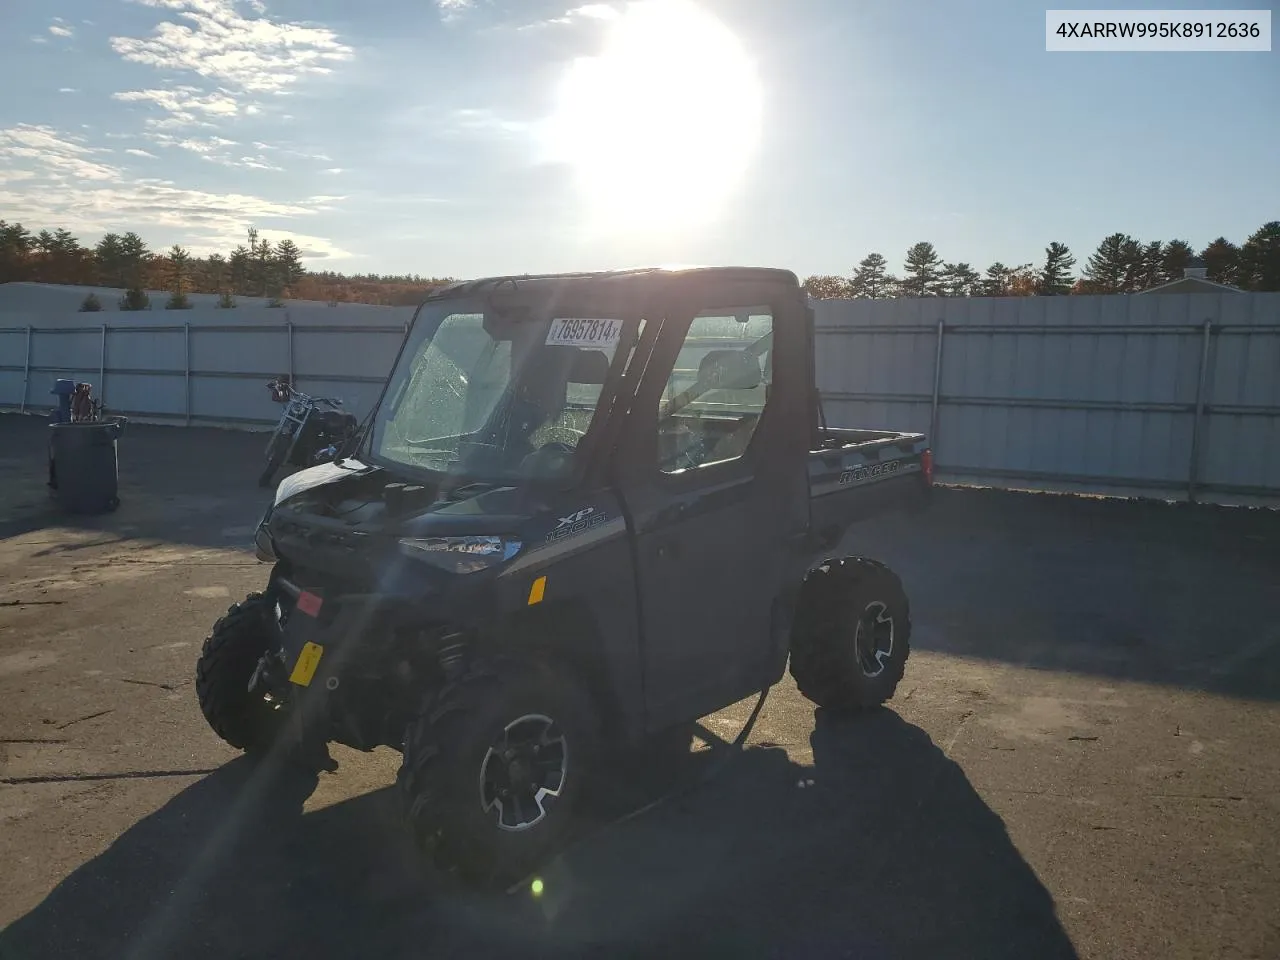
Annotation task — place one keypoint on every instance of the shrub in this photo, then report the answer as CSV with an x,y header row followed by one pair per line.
x,y
135,298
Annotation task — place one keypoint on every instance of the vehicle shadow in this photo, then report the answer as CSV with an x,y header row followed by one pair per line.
x,y
886,852
1170,593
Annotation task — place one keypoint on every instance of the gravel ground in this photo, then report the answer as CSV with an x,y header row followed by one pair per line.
x,y
1081,760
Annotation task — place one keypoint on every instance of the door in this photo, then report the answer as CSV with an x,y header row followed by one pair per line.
x,y
717,495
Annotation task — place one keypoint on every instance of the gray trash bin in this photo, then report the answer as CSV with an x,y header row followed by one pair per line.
x,y
85,464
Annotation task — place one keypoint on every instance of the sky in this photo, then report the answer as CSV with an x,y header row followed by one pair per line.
x,y
473,137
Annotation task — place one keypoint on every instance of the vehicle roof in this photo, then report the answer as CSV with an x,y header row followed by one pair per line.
x,y
637,273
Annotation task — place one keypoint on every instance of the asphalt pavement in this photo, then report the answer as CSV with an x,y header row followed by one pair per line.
x,y
1080,762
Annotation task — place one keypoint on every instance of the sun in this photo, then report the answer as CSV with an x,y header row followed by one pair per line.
x,y
662,125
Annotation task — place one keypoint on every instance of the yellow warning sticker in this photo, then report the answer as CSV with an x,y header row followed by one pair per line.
x,y
537,590
305,669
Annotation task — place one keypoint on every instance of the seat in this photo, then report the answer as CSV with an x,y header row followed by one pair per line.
x,y
729,370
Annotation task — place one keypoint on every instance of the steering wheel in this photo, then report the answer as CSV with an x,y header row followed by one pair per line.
x,y
557,430
550,458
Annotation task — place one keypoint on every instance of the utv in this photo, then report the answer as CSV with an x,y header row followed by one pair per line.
x,y
586,509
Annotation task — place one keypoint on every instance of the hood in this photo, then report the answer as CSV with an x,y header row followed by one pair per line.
x,y
356,495
317,476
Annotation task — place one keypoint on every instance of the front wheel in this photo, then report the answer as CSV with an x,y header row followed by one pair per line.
x,y
494,766
852,635
235,646
275,458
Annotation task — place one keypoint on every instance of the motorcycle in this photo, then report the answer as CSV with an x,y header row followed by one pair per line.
x,y
311,429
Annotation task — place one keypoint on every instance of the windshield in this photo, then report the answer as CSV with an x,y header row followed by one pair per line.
x,y
490,398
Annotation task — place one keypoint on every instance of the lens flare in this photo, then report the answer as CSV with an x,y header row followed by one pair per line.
x,y
662,125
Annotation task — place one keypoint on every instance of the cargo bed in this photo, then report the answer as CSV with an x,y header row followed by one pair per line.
x,y
856,473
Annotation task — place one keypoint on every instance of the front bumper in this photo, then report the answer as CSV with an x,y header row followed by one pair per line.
x,y
263,548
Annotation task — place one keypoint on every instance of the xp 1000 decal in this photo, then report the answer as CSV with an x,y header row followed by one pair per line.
x,y
579,522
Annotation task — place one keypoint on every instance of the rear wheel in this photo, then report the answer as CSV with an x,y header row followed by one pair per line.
x,y
231,654
852,635
494,765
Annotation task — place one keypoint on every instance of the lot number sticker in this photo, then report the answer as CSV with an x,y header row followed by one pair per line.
x,y
577,332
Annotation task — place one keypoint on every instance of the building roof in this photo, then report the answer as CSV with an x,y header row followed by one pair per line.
x,y
1193,280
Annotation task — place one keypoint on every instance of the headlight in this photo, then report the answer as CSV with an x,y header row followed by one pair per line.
x,y
461,554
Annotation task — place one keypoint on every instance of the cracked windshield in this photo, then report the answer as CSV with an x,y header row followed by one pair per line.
x,y
753,479
498,400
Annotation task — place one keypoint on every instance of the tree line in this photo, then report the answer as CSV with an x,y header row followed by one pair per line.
x,y
256,268
1120,264
273,272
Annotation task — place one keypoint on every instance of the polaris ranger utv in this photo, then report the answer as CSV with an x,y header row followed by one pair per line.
x,y
586,509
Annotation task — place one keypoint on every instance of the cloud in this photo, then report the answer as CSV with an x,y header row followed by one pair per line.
x,y
68,90
588,11
246,163
64,185
203,147
134,151
452,9
60,31
486,121
595,11
54,155
214,150
257,54
292,152
311,248
186,106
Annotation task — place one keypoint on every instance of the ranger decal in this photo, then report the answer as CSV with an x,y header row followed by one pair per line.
x,y
870,471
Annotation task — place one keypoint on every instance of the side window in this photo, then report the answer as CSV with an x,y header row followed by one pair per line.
x,y
718,390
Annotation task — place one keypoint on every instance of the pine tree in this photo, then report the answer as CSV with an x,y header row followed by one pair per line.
x,y
288,264
1222,260
179,264
1148,267
239,265
108,255
1259,260
15,249
1055,276
262,266
872,279
996,281
958,280
214,271
61,256
1113,266
1178,255
133,260
921,271
135,298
